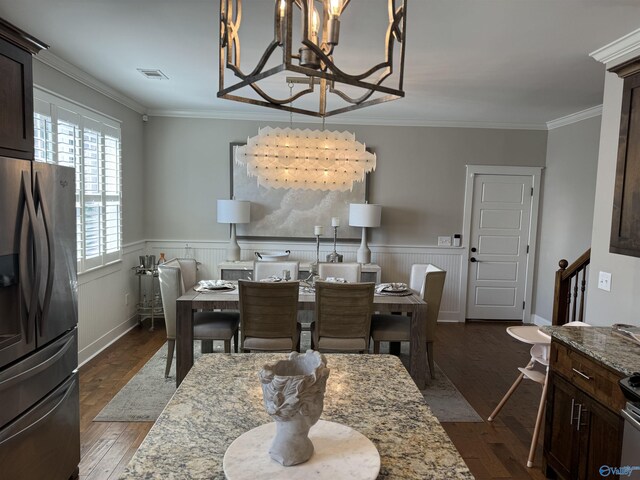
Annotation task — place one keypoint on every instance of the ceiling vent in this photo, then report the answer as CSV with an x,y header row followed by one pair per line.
x,y
153,74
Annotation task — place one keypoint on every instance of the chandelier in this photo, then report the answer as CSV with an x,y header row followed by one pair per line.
x,y
311,159
305,41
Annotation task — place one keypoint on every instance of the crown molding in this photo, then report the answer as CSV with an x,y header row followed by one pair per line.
x,y
618,48
353,120
575,117
57,63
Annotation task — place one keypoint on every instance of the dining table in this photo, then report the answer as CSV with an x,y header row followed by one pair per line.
x,y
194,300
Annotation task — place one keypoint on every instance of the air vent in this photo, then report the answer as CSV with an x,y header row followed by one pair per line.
x,y
153,74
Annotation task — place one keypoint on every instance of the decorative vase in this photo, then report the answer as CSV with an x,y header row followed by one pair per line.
x,y
293,392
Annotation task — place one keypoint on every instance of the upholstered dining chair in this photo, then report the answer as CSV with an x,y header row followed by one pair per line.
x,y
428,281
342,317
268,316
176,277
349,271
262,270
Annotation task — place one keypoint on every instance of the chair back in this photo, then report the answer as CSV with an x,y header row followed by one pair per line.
x,y
343,310
262,270
175,277
349,271
268,310
428,280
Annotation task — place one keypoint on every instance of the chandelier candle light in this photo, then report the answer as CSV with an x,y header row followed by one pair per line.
x,y
305,159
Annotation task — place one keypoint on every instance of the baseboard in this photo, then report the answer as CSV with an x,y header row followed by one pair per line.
x,y
538,320
106,340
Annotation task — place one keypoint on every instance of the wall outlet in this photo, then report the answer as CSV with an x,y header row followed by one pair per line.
x,y
604,281
444,241
126,299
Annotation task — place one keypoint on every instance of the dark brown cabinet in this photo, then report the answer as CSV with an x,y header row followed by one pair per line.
x,y
583,430
16,91
625,224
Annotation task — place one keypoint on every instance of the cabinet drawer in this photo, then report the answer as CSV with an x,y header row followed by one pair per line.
x,y
587,375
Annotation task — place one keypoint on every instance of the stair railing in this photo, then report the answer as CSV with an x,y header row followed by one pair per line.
x,y
570,288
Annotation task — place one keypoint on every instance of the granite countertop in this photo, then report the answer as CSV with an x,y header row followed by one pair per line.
x,y
221,398
613,351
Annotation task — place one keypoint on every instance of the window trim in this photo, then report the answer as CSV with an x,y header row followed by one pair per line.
x,y
48,103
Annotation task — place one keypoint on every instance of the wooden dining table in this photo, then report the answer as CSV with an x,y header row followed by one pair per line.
x,y
193,301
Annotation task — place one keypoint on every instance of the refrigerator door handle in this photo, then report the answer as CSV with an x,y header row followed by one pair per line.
x,y
46,220
32,302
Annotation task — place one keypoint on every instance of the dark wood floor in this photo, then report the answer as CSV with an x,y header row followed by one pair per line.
x,y
479,358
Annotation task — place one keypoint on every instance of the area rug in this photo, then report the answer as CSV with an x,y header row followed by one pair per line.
x,y
144,397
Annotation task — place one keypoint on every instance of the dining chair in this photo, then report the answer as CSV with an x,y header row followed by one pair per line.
x,y
176,277
342,317
427,280
348,271
262,270
540,343
268,316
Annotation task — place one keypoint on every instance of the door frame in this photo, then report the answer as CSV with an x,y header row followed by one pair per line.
x,y
472,171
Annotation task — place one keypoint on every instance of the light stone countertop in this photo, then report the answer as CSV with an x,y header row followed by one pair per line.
x,y
613,351
221,398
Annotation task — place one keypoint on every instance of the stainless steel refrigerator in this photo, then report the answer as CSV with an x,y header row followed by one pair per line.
x,y
39,400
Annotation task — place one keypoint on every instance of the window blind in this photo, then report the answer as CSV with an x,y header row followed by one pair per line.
x,y
71,135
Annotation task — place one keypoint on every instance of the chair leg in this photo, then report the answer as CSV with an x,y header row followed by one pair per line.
x,y
494,414
376,347
227,346
432,369
206,346
235,341
536,430
171,345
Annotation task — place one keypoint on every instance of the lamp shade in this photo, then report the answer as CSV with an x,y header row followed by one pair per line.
x,y
364,215
234,211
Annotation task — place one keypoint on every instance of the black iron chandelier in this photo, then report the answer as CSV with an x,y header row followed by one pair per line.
x,y
304,45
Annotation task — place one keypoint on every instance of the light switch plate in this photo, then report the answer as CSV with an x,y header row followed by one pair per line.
x,y
444,241
604,281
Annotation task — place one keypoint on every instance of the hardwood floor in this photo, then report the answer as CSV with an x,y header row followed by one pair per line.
x,y
479,358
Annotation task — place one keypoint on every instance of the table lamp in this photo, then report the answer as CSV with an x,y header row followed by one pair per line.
x,y
364,215
233,211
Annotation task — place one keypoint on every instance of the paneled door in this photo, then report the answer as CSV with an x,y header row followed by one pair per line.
x,y
499,246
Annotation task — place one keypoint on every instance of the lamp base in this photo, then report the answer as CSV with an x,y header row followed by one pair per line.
x,y
233,250
363,255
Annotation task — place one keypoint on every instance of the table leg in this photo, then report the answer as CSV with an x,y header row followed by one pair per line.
x,y
184,340
418,350
394,348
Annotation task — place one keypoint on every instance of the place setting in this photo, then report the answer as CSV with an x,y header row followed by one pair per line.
x,y
215,286
396,289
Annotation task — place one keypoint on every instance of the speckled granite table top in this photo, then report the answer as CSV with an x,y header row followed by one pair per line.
x,y
613,351
221,398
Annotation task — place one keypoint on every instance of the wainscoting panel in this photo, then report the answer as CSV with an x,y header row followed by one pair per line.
x,y
102,313
395,261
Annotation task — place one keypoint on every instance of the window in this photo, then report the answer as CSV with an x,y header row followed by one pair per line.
x,y
70,135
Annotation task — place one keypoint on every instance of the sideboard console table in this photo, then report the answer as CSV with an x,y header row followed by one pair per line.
x,y
243,270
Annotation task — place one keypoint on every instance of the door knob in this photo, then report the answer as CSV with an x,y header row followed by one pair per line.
x,y
473,259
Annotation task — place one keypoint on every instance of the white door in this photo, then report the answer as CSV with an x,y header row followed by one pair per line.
x,y
498,246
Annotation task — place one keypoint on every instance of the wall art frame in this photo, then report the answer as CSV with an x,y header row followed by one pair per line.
x,y
288,214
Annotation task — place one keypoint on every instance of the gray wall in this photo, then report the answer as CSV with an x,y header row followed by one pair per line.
x,y
419,179
622,303
566,214
133,186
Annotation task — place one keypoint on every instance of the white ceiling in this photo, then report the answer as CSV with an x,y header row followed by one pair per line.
x,y
520,63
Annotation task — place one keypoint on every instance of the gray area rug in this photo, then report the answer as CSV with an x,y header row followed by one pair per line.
x,y
148,392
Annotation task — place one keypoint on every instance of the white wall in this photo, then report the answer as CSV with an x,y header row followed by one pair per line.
x,y
622,303
102,313
566,214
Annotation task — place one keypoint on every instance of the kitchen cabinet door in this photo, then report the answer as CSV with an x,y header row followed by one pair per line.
x,y
561,445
